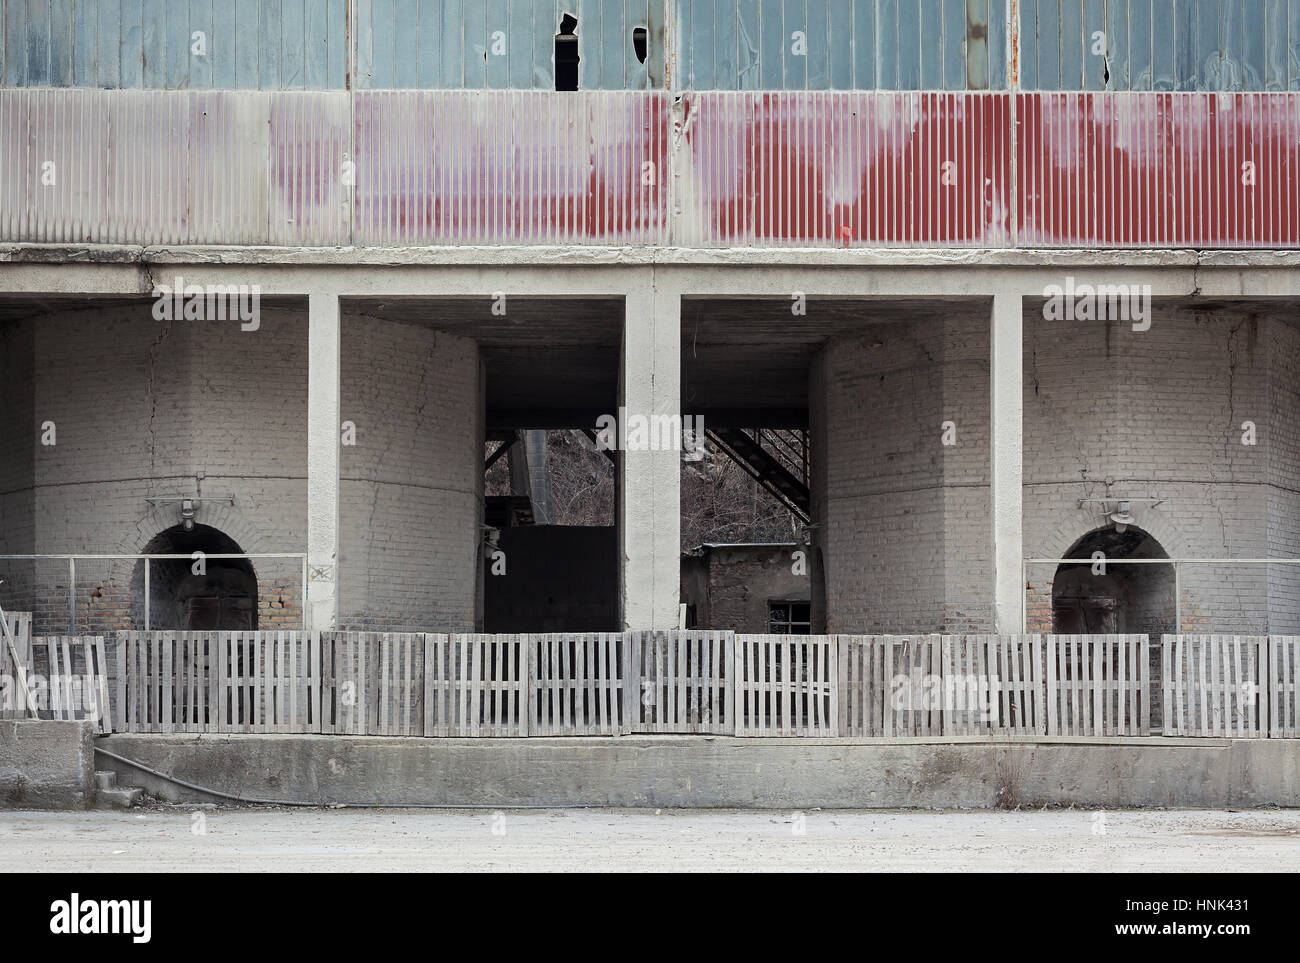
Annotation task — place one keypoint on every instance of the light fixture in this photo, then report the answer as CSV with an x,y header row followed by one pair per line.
x,y
187,514
1121,519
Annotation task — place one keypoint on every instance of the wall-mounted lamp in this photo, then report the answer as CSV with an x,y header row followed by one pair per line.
x,y
187,514
1121,519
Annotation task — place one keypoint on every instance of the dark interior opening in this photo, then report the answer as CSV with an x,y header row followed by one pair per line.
x,y
566,54
639,43
222,597
1123,598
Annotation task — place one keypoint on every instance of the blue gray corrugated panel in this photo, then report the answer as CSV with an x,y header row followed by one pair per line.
x,y
303,44
1205,45
840,44
174,44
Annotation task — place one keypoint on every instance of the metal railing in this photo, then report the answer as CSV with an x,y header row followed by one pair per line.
x,y
148,559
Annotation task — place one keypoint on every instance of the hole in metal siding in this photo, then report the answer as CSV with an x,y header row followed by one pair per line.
x,y
566,54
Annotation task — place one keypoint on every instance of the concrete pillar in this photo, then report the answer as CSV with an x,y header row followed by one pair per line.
x,y
649,482
1007,443
323,426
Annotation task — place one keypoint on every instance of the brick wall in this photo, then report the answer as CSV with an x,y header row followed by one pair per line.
x,y
1159,414
142,408
412,486
902,518
731,585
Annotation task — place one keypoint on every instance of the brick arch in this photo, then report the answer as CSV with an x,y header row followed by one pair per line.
x,y
222,516
1083,523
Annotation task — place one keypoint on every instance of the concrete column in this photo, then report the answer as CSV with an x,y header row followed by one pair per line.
x,y
649,489
1007,443
323,426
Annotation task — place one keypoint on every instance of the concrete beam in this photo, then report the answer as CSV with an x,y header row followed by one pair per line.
x,y
323,427
1007,446
649,482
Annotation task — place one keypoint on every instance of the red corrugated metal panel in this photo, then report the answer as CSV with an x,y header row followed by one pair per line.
x,y
1159,170
830,168
510,167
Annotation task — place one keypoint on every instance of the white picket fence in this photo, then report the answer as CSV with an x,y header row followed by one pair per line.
x,y
14,704
1098,685
937,685
1227,685
786,685
688,682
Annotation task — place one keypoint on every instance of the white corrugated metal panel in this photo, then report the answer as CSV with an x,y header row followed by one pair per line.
x,y
172,167
310,205
510,167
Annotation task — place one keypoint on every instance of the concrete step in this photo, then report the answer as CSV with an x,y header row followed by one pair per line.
x,y
119,798
105,781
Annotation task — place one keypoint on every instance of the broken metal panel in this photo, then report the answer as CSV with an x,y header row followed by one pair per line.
x,y
1164,170
832,169
1163,45
1115,67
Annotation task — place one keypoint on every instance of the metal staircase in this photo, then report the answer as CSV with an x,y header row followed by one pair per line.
x,y
776,458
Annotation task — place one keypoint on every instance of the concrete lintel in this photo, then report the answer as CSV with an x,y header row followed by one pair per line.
x,y
582,255
323,427
610,272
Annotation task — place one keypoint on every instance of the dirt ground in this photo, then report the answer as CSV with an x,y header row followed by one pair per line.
x,y
180,838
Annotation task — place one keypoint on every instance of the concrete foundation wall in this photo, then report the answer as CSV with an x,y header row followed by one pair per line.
x,y
411,488
46,765
719,772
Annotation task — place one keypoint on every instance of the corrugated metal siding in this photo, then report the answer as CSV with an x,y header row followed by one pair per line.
x,y
846,44
303,44
443,167
1191,45
1159,170
250,44
168,167
646,168
845,168
504,44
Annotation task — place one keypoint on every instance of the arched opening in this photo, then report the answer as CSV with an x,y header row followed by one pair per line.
x,y
1104,599
218,594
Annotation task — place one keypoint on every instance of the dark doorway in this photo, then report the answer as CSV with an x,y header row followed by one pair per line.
x,y
188,594
1114,598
